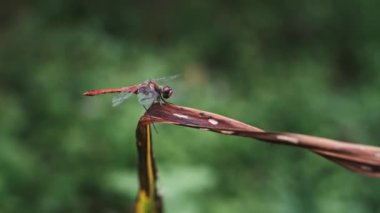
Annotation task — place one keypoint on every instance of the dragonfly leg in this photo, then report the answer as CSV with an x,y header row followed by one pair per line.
x,y
163,100
154,127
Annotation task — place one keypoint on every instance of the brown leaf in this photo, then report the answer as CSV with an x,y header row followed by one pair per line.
x,y
363,159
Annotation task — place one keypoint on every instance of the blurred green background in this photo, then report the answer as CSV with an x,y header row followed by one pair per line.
x,y
310,67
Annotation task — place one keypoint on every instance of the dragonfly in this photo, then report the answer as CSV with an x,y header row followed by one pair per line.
x,y
148,92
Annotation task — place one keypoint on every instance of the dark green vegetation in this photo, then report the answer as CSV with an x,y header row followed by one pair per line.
x,y
312,68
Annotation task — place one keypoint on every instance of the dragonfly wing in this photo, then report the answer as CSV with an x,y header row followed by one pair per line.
x,y
168,78
146,100
121,97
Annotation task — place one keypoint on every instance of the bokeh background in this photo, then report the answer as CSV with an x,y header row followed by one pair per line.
x,y
310,67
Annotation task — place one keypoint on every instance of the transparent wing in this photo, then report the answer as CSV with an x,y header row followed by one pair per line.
x,y
168,78
146,100
120,98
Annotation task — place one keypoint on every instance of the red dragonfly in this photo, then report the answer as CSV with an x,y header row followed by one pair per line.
x,y
148,92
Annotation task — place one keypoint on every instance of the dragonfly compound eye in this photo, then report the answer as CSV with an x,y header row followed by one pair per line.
x,y
167,92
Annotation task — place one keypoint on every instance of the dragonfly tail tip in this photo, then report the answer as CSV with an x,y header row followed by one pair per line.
x,y
87,94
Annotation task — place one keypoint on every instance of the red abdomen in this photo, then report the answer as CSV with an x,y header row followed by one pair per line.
x,y
104,91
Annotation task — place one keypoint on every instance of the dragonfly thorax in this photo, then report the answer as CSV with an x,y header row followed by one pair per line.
x,y
151,92
148,94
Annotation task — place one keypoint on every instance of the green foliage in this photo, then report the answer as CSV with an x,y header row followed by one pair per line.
x,y
307,67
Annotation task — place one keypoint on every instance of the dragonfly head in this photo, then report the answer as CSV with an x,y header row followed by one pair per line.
x,y
166,92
